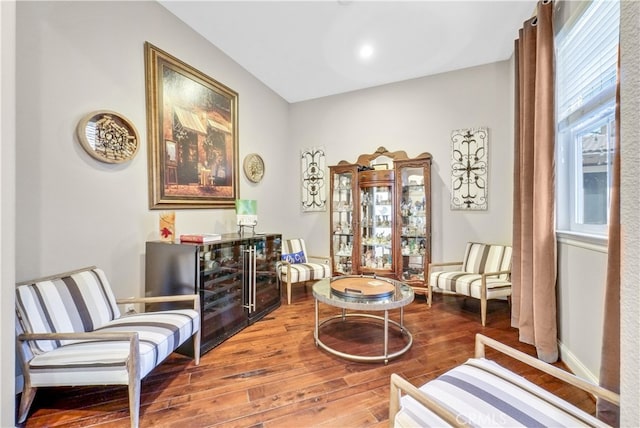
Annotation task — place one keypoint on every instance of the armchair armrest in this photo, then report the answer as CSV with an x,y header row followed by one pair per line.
x,y
500,272
124,336
160,299
400,385
444,264
92,335
323,259
482,341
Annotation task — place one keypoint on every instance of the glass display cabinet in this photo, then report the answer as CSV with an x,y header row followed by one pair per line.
x,y
376,226
381,216
343,201
413,179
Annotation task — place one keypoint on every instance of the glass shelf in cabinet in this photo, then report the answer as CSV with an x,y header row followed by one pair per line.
x,y
377,244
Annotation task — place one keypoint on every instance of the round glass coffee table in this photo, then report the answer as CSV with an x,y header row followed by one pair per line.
x,y
364,293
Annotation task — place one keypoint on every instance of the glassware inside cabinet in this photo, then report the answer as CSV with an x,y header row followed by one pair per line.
x,y
342,223
413,209
376,228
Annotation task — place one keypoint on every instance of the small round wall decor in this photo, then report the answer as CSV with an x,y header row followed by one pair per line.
x,y
108,136
253,166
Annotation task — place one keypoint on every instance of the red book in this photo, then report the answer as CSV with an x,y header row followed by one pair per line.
x,y
200,238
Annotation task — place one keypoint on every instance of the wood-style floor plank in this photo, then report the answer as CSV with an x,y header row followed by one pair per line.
x,y
272,375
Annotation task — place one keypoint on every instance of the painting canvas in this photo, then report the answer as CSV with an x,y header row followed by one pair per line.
x,y
469,162
193,136
247,212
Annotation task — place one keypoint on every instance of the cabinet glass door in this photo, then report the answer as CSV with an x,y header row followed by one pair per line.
x,y
221,292
342,222
267,290
414,236
376,229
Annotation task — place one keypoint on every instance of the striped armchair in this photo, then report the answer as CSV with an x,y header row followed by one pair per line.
x,y
484,273
298,267
482,393
70,332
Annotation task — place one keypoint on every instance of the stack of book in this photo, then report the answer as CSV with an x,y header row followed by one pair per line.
x,y
200,238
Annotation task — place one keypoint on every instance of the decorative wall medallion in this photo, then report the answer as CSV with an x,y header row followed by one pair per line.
x,y
108,136
469,159
253,166
314,194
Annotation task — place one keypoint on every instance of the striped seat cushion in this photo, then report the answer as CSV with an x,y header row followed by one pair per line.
x,y
294,249
78,303
469,284
301,272
97,362
483,393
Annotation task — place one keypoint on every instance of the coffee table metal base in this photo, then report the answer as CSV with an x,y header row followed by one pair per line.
x,y
386,356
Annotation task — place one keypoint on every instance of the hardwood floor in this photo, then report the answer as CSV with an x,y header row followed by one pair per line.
x,y
272,375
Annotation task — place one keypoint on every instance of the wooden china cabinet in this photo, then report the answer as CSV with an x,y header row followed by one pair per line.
x,y
381,216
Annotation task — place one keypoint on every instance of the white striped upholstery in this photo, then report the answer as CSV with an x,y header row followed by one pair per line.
x,y
83,302
483,393
78,303
469,284
101,362
291,273
479,260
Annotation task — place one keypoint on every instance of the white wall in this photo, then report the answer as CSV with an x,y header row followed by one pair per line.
x,y
7,210
630,209
73,211
582,271
416,116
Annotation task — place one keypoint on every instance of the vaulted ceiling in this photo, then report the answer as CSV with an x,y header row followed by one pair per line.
x,y
309,49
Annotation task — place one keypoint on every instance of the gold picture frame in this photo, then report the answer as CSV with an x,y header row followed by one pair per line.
x,y
192,126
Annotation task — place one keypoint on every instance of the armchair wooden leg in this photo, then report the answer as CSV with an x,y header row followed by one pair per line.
x,y
28,394
196,347
134,402
134,381
288,291
483,300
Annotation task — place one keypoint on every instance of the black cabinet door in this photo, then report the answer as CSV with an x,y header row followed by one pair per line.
x,y
235,278
267,250
222,282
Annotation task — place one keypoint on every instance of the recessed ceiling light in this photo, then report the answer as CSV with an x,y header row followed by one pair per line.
x,y
366,51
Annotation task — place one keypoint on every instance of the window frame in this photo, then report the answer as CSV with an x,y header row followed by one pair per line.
x,y
569,157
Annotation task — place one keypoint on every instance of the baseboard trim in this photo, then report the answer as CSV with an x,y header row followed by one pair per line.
x,y
575,365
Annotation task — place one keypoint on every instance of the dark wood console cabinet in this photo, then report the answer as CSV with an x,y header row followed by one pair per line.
x,y
235,277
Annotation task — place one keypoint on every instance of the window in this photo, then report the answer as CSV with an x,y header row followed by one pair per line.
x,y
586,58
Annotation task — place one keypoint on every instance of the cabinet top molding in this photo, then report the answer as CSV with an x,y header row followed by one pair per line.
x,y
367,159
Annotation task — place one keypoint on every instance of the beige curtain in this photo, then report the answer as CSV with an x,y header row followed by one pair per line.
x,y
610,360
534,241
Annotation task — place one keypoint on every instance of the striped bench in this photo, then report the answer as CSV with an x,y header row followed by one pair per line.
x,y
484,273
481,393
70,332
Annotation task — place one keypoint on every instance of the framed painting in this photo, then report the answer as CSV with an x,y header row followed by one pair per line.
x,y
192,125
